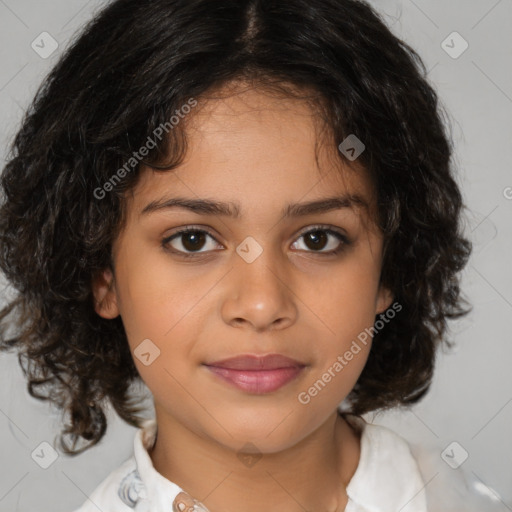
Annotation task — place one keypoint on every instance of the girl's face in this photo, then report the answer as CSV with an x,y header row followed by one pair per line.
x,y
260,282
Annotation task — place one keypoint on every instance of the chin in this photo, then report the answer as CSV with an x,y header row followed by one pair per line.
x,y
261,437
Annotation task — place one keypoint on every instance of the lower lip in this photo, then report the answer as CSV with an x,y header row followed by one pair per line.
x,y
257,381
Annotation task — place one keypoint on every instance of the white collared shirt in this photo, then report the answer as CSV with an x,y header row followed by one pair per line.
x,y
387,478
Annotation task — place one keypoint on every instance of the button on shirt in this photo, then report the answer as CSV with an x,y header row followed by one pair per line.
x,y
387,478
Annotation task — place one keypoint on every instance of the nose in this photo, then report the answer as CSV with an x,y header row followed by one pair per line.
x,y
259,295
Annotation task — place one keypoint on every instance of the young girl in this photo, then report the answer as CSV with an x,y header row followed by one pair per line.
x,y
249,206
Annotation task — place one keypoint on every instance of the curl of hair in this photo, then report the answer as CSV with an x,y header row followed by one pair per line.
x,y
133,65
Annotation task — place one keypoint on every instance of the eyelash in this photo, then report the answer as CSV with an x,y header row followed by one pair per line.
x,y
191,229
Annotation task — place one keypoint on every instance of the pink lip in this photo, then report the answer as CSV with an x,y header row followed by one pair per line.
x,y
257,374
257,381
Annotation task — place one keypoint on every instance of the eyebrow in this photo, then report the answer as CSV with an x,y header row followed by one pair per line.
x,y
212,207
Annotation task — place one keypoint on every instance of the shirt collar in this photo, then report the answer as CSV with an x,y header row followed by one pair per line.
x,y
386,472
160,492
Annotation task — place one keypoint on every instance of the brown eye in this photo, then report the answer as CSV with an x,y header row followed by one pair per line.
x,y
316,240
188,241
193,241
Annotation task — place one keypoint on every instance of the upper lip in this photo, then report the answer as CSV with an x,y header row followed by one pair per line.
x,y
256,362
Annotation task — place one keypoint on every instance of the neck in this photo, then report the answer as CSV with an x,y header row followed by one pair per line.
x,y
311,475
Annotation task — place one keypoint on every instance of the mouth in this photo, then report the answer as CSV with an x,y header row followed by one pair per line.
x,y
257,374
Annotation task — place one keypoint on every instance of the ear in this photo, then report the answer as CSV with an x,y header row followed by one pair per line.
x,y
384,299
105,299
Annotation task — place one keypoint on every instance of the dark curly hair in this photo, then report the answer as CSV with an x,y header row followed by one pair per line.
x,y
130,69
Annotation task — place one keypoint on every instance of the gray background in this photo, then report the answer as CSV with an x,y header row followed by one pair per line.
x,y
471,398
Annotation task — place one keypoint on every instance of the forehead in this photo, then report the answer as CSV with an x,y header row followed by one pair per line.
x,y
254,149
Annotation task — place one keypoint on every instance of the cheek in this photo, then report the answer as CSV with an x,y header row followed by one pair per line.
x,y
165,362
154,301
161,316
347,307
349,301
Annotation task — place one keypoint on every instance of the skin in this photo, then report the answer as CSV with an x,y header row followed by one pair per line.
x,y
259,151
